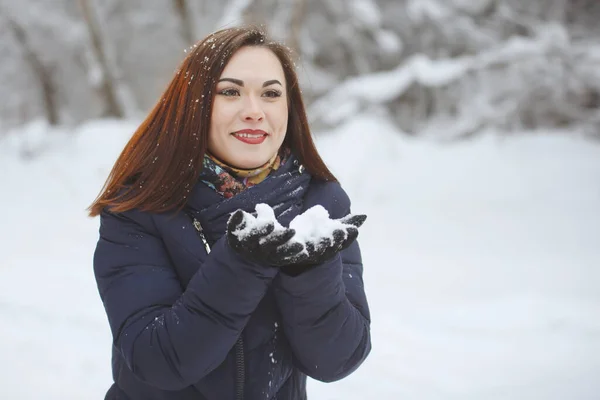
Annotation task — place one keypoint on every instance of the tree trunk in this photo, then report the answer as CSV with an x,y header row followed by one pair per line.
x,y
296,23
187,22
41,72
108,87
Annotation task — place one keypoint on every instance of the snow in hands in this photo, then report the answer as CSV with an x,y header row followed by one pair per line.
x,y
314,225
249,225
312,237
318,237
257,238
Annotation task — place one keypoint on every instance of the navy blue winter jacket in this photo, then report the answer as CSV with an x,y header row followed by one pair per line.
x,y
188,325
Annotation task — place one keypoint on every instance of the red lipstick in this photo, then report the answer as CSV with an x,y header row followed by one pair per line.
x,y
251,136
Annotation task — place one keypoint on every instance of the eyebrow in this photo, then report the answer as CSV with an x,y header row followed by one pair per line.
x,y
241,83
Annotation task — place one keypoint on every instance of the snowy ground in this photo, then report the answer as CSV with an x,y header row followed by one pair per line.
x,y
482,265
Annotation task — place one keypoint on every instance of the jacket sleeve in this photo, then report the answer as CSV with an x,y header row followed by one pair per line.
x,y
325,311
169,337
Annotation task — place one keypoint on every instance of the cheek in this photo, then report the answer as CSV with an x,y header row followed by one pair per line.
x,y
222,116
282,116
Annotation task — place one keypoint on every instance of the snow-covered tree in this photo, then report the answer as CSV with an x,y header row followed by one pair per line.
x,y
446,68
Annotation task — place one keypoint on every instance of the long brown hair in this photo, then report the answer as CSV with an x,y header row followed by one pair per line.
x,y
160,164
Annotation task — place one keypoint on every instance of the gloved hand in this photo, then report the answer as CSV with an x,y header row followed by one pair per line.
x,y
257,238
311,239
322,243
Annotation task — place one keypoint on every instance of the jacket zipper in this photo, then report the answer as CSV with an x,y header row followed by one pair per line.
x,y
240,371
201,234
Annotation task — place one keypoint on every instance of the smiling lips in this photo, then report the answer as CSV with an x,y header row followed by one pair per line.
x,y
251,136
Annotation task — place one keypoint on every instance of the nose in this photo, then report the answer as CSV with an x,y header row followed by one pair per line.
x,y
252,110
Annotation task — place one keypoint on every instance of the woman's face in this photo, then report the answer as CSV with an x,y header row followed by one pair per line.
x,y
250,114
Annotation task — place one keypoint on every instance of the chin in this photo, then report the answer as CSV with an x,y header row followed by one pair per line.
x,y
250,162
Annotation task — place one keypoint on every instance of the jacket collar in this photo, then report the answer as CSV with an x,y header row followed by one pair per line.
x,y
283,190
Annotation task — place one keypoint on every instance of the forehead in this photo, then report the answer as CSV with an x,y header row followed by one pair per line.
x,y
254,63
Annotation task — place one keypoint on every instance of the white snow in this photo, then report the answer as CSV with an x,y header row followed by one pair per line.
x,y
383,87
264,216
420,10
481,263
388,41
251,223
366,13
315,224
312,225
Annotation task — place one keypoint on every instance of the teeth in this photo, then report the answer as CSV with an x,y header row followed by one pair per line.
x,y
248,135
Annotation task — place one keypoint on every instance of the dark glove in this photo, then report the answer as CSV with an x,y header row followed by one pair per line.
x,y
298,256
257,241
262,239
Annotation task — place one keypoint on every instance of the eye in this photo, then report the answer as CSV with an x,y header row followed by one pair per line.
x,y
230,92
272,93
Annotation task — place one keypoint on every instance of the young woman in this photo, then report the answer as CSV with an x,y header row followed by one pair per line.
x,y
205,298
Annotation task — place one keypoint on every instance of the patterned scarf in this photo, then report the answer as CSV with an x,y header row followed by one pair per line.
x,y
229,181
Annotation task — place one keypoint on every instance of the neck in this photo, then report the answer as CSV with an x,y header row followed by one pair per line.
x,y
229,180
243,172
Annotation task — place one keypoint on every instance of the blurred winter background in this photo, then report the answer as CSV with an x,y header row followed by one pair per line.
x,y
468,131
